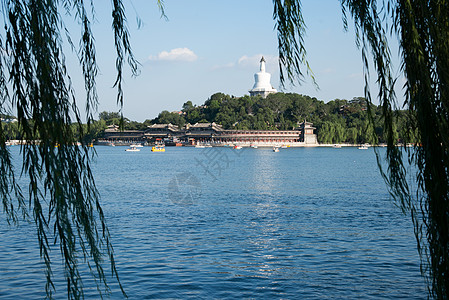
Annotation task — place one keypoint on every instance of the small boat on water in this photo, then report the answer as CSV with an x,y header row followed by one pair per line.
x,y
254,146
237,147
363,147
158,148
132,149
136,146
336,146
200,146
275,149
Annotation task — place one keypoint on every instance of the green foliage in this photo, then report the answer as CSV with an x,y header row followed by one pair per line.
x,y
92,131
338,121
166,117
187,106
34,79
107,116
422,29
12,131
291,30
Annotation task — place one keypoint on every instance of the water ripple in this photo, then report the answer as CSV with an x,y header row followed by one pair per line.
x,y
301,223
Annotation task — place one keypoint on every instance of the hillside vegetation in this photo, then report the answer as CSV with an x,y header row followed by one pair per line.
x,y
337,121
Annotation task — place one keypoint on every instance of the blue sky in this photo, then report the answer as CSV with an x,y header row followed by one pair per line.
x,y
210,46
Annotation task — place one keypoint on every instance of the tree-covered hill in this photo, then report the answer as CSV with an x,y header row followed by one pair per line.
x,y
337,121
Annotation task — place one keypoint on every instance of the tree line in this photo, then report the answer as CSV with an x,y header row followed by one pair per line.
x,y
337,121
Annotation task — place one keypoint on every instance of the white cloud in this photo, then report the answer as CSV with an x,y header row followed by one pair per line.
x,y
177,54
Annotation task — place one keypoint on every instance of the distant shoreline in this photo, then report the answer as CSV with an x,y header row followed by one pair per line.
x,y
247,145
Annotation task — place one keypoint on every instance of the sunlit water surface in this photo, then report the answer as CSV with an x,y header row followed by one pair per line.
x,y
222,223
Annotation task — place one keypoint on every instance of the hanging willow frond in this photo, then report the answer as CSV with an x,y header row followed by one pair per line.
x,y
422,28
292,51
34,80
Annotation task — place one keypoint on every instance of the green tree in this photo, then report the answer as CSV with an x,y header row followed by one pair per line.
x,y
166,117
340,133
352,135
11,131
326,133
213,107
92,132
187,106
193,116
106,116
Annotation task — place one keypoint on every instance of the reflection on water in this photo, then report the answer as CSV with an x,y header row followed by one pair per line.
x,y
264,170
301,223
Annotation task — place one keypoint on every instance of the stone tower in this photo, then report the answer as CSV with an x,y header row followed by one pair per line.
x,y
262,85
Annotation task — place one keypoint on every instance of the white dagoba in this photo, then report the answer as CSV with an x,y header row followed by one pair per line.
x,y
262,86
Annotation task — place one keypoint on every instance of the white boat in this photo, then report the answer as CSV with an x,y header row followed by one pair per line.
x,y
136,146
200,146
132,149
363,147
237,147
275,149
336,146
254,146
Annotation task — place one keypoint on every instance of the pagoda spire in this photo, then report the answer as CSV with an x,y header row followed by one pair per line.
x,y
262,64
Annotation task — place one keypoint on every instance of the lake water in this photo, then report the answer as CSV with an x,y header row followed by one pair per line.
x,y
305,223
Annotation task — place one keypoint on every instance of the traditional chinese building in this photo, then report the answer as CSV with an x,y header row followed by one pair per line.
x,y
161,131
114,135
309,137
214,134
